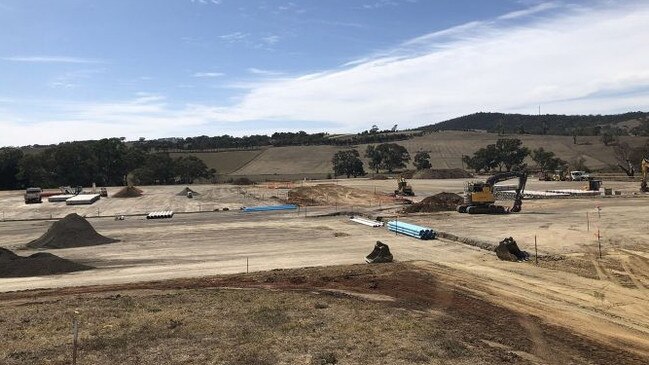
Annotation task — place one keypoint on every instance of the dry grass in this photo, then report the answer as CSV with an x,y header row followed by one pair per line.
x,y
282,317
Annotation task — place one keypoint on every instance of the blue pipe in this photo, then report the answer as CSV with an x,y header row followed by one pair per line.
x,y
265,208
412,230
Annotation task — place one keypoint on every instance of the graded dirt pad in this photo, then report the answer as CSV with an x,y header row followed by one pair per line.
x,y
332,194
71,231
38,264
442,174
187,190
128,192
436,203
363,314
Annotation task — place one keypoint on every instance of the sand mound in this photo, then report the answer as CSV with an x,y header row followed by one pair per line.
x,y
442,174
38,264
187,190
128,192
331,194
71,231
436,203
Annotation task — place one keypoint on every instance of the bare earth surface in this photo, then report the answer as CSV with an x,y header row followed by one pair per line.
x,y
603,303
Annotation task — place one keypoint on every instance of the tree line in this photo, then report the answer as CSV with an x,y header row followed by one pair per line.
x,y
106,162
554,124
386,156
278,139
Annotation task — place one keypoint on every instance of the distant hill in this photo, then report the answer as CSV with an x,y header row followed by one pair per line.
x,y
585,125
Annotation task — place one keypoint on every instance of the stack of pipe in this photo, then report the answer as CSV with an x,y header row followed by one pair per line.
x,y
412,230
270,207
367,222
160,214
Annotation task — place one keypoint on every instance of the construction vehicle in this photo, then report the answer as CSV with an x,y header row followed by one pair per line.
x,y
103,192
403,188
579,176
33,195
479,197
644,166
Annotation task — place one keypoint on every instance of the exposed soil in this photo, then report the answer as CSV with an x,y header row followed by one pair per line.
x,y
458,327
38,264
436,203
442,174
128,192
71,231
331,194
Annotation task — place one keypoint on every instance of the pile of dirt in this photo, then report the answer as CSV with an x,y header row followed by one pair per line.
x,y
508,250
71,231
128,192
331,194
38,264
186,191
242,181
437,203
442,174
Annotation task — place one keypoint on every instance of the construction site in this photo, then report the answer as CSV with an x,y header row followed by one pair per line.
x,y
558,274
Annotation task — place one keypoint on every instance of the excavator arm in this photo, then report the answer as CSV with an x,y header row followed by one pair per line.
x,y
520,189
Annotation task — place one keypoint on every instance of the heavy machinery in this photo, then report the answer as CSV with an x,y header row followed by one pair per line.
x,y
644,166
403,188
479,197
33,195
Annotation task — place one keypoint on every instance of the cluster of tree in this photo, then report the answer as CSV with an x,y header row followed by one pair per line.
x,y
277,139
578,125
629,158
547,161
104,162
506,152
385,156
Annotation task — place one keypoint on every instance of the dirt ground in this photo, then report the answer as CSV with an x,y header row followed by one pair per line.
x,y
383,314
605,300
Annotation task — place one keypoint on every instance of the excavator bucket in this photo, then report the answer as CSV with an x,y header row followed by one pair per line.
x,y
380,254
508,250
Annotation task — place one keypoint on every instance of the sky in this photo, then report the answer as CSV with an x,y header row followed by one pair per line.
x,y
90,69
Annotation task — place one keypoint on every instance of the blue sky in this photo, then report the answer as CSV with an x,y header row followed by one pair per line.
x,y
79,69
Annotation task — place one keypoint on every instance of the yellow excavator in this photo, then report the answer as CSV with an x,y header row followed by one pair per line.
x,y
479,197
644,166
403,188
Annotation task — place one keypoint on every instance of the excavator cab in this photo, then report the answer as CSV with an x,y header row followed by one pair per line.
x,y
479,197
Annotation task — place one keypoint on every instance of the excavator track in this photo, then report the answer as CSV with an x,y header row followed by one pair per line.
x,y
486,209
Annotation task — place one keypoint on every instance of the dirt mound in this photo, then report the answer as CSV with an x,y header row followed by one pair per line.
x,y
128,192
331,194
38,264
71,231
442,174
187,190
436,203
379,177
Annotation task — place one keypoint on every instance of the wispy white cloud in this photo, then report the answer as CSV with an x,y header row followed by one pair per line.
x,y
262,72
570,61
208,74
234,37
539,8
50,59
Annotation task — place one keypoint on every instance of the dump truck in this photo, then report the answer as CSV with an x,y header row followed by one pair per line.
x,y
33,195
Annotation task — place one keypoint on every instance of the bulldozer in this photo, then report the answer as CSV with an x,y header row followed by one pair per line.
x,y
403,188
644,166
479,197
